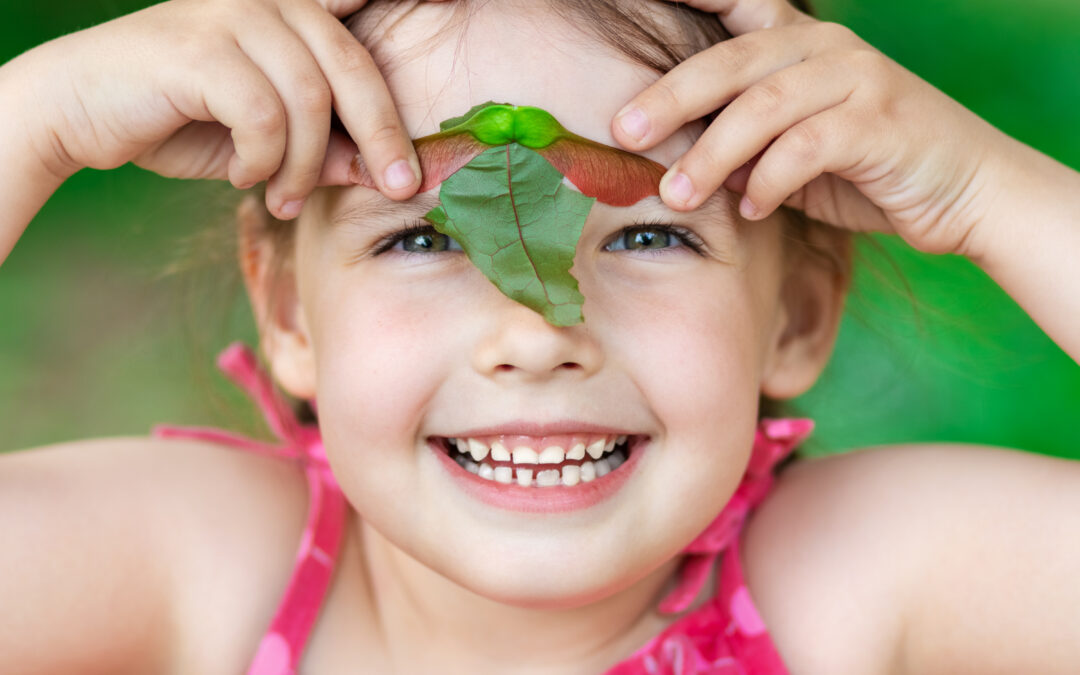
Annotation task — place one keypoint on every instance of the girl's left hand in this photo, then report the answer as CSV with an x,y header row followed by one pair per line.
x,y
819,120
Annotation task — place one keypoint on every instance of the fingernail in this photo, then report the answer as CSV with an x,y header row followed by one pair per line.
x,y
679,188
747,208
634,123
399,175
290,210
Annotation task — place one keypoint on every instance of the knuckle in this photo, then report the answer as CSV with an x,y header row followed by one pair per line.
x,y
832,32
384,131
351,57
313,95
870,62
760,184
702,160
735,54
773,15
227,12
806,142
876,82
297,182
664,96
765,97
265,116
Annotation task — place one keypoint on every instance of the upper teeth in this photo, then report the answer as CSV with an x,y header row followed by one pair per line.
x,y
552,455
523,454
499,453
477,449
527,464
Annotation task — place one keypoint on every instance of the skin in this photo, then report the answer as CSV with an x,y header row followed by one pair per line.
x,y
397,349
229,89
922,569
813,117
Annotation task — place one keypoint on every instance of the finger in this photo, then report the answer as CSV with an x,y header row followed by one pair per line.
x,y
750,122
361,99
822,143
745,16
237,94
305,94
736,182
339,156
838,202
341,8
705,82
200,150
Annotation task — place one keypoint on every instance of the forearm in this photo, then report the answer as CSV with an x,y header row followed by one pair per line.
x,y
26,179
1030,242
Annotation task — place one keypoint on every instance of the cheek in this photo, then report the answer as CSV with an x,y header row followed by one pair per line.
x,y
705,383
692,342
383,347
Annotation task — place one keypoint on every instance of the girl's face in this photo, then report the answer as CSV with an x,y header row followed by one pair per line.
x,y
405,348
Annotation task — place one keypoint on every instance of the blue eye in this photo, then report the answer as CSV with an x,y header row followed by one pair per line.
x,y
652,237
419,239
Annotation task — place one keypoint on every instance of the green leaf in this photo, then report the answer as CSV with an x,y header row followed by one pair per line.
x,y
518,222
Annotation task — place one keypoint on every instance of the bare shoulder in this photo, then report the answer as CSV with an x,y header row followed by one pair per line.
x,y
122,541
874,540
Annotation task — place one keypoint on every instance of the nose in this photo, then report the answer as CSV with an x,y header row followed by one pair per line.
x,y
522,344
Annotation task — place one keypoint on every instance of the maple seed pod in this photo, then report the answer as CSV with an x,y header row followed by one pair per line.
x,y
499,124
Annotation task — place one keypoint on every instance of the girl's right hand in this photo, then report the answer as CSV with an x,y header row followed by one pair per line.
x,y
226,89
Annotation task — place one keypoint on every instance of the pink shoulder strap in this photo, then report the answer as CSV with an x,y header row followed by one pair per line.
x,y
280,650
773,441
726,635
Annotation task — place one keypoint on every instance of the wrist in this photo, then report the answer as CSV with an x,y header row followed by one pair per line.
x,y
1029,194
31,143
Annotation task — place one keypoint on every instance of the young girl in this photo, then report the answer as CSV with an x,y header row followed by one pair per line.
x,y
178,553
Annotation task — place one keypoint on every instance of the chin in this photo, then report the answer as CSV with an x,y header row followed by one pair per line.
x,y
543,587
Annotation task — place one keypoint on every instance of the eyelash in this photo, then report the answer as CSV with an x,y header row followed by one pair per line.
x,y
688,238
393,239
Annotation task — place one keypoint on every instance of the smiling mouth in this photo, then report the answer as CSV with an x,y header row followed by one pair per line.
x,y
577,461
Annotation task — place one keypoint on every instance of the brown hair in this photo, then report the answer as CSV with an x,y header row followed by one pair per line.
x,y
658,37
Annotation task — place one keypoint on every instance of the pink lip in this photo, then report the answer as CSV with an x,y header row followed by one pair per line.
x,y
523,428
559,499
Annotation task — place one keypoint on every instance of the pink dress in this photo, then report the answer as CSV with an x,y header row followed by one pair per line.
x,y
724,636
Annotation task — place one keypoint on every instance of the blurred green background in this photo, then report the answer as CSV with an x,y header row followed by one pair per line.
x,y
96,340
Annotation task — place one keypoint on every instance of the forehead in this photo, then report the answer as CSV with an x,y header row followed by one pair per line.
x,y
438,63
365,209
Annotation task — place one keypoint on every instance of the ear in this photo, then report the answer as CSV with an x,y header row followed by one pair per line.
x,y
270,279
811,305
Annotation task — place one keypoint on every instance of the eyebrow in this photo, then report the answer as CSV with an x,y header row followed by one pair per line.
x,y
717,208
380,208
